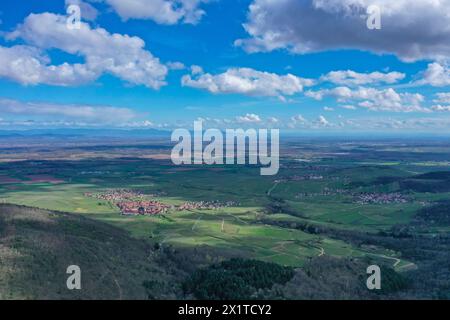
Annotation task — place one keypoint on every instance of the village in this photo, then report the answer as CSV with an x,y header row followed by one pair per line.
x,y
133,203
362,198
306,177
115,195
381,198
134,208
205,205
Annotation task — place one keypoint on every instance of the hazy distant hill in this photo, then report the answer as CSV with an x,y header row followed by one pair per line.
x,y
145,133
37,246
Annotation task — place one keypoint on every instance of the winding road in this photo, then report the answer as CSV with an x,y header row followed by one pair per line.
x,y
273,187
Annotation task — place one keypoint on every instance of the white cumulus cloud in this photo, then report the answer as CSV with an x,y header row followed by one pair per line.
x,y
436,74
29,66
248,118
440,108
161,11
247,81
349,77
442,97
323,121
374,99
120,55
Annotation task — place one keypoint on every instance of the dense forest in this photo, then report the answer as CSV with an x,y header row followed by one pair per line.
x,y
437,214
236,279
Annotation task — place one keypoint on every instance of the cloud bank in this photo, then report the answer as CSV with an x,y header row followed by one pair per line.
x,y
411,30
67,112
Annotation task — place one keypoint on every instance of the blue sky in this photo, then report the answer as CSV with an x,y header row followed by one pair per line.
x,y
308,65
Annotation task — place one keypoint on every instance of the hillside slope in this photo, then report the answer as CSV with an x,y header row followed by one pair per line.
x,y
37,246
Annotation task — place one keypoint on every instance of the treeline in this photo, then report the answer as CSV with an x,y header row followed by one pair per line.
x,y
438,181
437,214
279,205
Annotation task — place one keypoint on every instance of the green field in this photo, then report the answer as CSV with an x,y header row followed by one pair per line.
x,y
238,230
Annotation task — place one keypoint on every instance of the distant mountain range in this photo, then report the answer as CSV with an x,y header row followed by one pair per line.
x,y
144,133
165,134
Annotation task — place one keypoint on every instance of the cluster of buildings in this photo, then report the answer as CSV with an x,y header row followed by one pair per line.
x,y
325,192
381,198
133,203
134,208
117,195
205,205
360,197
306,177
